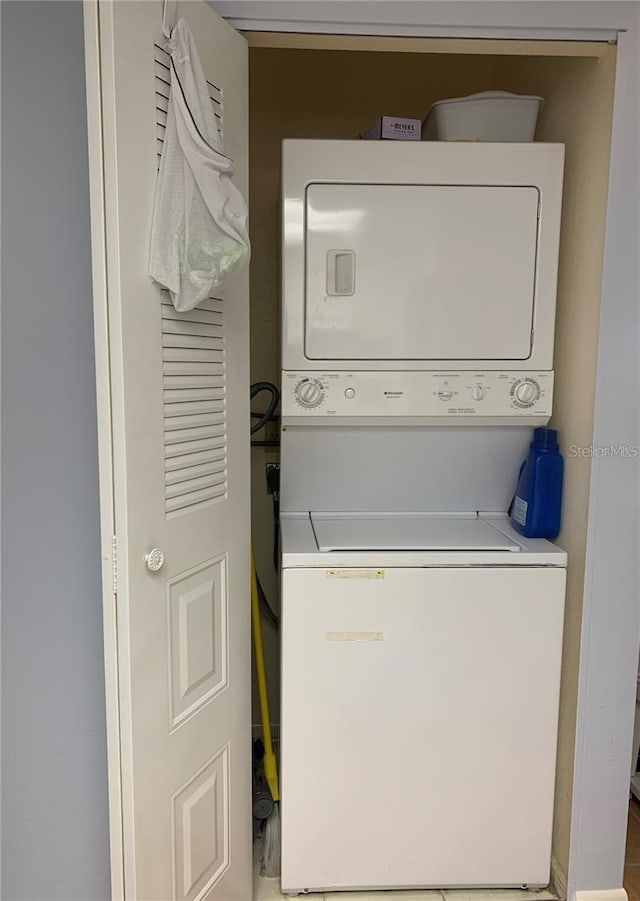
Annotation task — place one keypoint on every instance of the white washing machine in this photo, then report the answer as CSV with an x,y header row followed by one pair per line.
x,y
420,681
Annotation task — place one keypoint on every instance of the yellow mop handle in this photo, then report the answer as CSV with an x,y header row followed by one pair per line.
x,y
270,768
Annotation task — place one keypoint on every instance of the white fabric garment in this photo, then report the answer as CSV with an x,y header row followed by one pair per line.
x,y
199,231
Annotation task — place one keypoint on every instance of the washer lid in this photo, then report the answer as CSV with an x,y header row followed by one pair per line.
x,y
407,532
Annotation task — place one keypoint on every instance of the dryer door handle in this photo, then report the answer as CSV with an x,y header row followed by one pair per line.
x,y
341,273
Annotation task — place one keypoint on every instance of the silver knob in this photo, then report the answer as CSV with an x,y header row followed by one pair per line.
x,y
154,559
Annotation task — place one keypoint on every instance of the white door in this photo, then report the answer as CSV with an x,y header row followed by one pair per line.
x,y
180,452
416,254
419,724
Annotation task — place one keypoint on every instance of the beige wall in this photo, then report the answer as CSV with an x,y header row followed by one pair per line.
x,y
578,113
335,94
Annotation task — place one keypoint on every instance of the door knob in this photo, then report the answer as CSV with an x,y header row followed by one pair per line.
x,y
154,559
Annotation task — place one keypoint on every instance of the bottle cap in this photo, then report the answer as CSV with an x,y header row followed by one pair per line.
x,y
545,439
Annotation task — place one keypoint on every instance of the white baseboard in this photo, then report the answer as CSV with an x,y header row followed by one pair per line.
x,y
614,894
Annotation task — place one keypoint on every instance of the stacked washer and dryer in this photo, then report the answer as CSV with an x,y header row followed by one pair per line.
x,y
421,635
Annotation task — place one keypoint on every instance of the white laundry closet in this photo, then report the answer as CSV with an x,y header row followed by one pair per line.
x,y
316,86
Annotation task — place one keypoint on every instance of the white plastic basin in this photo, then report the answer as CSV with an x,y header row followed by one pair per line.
x,y
498,116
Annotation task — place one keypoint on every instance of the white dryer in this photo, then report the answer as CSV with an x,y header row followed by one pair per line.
x,y
420,681
413,256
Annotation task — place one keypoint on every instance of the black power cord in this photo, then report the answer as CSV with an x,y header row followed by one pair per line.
x,y
266,607
270,388
273,481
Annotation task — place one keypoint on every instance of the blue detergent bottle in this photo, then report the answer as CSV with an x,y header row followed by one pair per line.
x,y
535,512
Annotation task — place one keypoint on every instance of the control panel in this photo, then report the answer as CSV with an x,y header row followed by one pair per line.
x,y
434,395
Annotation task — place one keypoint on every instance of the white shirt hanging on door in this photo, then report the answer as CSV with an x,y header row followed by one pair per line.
x,y
199,232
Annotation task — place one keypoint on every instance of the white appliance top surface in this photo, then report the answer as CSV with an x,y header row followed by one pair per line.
x,y
407,532
330,540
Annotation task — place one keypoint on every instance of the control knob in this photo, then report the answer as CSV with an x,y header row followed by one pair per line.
x,y
309,393
526,392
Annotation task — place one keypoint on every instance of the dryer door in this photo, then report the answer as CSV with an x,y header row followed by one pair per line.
x,y
420,272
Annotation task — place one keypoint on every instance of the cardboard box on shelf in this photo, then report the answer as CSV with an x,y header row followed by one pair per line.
x,y
393,128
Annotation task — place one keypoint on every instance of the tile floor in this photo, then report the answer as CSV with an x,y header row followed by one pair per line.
x,y
632,857
269,890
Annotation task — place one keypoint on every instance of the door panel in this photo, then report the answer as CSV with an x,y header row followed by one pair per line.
x,y
200,833
198,616
180,423
382,256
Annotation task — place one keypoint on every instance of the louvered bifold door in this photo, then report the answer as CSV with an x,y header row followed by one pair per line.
x,y
180,436
194,400
193,360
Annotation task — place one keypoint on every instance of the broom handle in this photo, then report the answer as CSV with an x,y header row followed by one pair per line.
x,y
270,770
